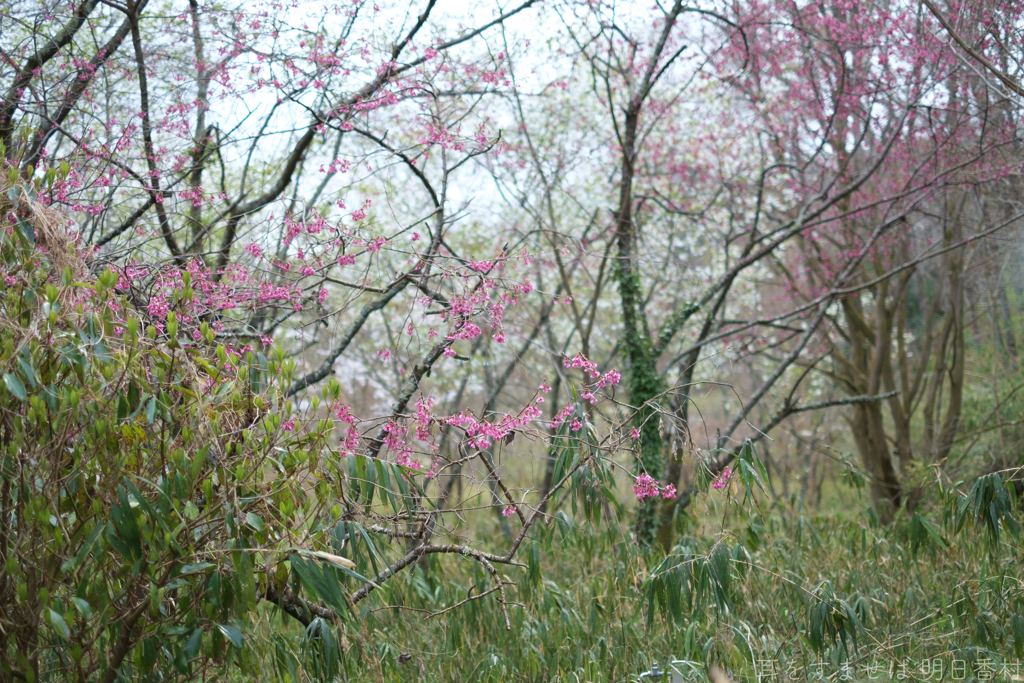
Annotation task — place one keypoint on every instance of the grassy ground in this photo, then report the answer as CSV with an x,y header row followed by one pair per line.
x,y
765,589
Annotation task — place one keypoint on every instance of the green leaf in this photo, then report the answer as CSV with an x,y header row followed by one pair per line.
x,y
400,480
122,408
140,500
127,526
58,624
368,474
82,606
321,582
194,643
15,386
180,661
116,543
1017,626
254,520
245,578
371,547
232,634
26,231
924,534
198,461
256,370
384,481
27,370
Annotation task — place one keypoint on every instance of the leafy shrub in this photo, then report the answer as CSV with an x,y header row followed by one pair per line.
x,y
155,488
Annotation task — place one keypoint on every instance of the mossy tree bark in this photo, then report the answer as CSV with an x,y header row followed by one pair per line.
x,y
643,384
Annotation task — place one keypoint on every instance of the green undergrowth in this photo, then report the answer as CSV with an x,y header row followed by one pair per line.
x,y
803,597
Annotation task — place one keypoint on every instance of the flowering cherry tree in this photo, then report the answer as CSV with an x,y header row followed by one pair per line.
x,y
220,268
774,170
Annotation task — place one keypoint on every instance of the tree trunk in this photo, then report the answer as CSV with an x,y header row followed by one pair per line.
x,y
865,371
869,435
1009,338
643,382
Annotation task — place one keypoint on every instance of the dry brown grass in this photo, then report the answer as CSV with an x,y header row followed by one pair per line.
x,y
50,226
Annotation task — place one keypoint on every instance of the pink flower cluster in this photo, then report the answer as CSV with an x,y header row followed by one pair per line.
x,y
481,266
646,487
405,459
462,307
394,438
524,288
268,292
497,319
562,416
723,479
480,433
580,361
589,367
423,416
194,195
439,135
350,443
465,305
468,331
235,287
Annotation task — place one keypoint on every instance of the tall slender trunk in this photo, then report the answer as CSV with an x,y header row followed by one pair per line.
x,y
201,137
673,475
1009,338
643,382
866,370
869,435
957,366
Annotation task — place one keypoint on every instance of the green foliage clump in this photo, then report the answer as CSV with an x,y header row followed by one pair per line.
x,y
155,491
